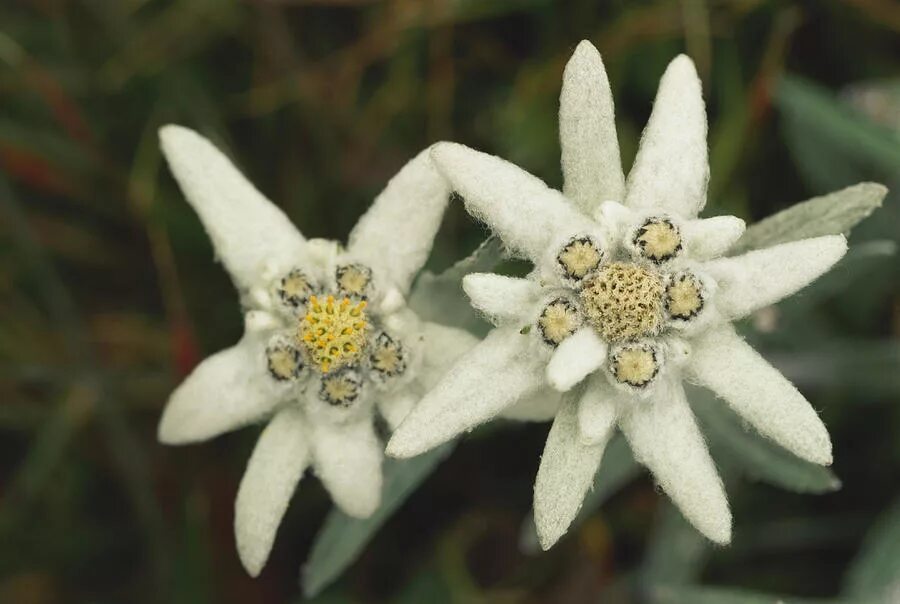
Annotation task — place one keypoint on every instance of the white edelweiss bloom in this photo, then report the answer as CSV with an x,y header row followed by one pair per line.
x,y
629,297
328,341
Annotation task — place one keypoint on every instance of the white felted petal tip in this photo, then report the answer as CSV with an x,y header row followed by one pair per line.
x,y
491,377
347,459
711,237
226,391
592,169
575,358
396,234
763,277
671,169
501,298
525,213
566,473
664,437
275,467
247,230
442,346
597,410
757,392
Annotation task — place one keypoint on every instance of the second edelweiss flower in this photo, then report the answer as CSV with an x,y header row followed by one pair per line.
x,y
329,339
630,295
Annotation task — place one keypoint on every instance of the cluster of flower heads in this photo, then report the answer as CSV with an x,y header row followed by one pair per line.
x,y
631,295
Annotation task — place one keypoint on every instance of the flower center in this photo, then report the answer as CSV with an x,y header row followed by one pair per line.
x,y
623,301
333,332
658,240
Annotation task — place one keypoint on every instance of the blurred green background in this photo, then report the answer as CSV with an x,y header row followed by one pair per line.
x,y
109,292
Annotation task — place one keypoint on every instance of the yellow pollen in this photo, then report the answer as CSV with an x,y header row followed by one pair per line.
x,y
623,301
333,332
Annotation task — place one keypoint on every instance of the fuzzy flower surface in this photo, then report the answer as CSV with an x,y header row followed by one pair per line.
x,y
630,296
329,341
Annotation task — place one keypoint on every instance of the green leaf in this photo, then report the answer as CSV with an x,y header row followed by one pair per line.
x,y
830,214
343,538
757,456
717,595
440,298
867,367
617,469
876,570
833,144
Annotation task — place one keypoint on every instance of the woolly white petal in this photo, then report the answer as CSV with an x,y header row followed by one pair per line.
x,y
230,389
347,459
711,237
566,473
763,277
540,406
396,234
727,365
442,348
501,298
525,213
396,406
485,381
275,467
577,356
597,410
592,169
247,230
671,169
664,437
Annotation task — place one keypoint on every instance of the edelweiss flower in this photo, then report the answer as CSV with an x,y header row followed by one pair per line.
x,y
629,297
328,337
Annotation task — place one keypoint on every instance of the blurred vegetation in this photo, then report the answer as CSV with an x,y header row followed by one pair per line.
x,y
109,292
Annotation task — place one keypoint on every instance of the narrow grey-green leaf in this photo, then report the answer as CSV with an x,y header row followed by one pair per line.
x,y
876,571
720,595
343,538
440,298
757,456
830,214
617,469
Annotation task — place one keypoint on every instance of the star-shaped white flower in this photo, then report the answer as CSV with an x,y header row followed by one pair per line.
x,y
328,337
629,297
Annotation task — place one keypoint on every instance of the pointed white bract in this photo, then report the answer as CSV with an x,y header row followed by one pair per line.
x,y
591,166
519,207
763,277
348,461
566,473
328,333
597,410
630,295
226,391
275,467
578,356
664,437
671,170
396,234
484,382
247,230
712,237
757,392
501,299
